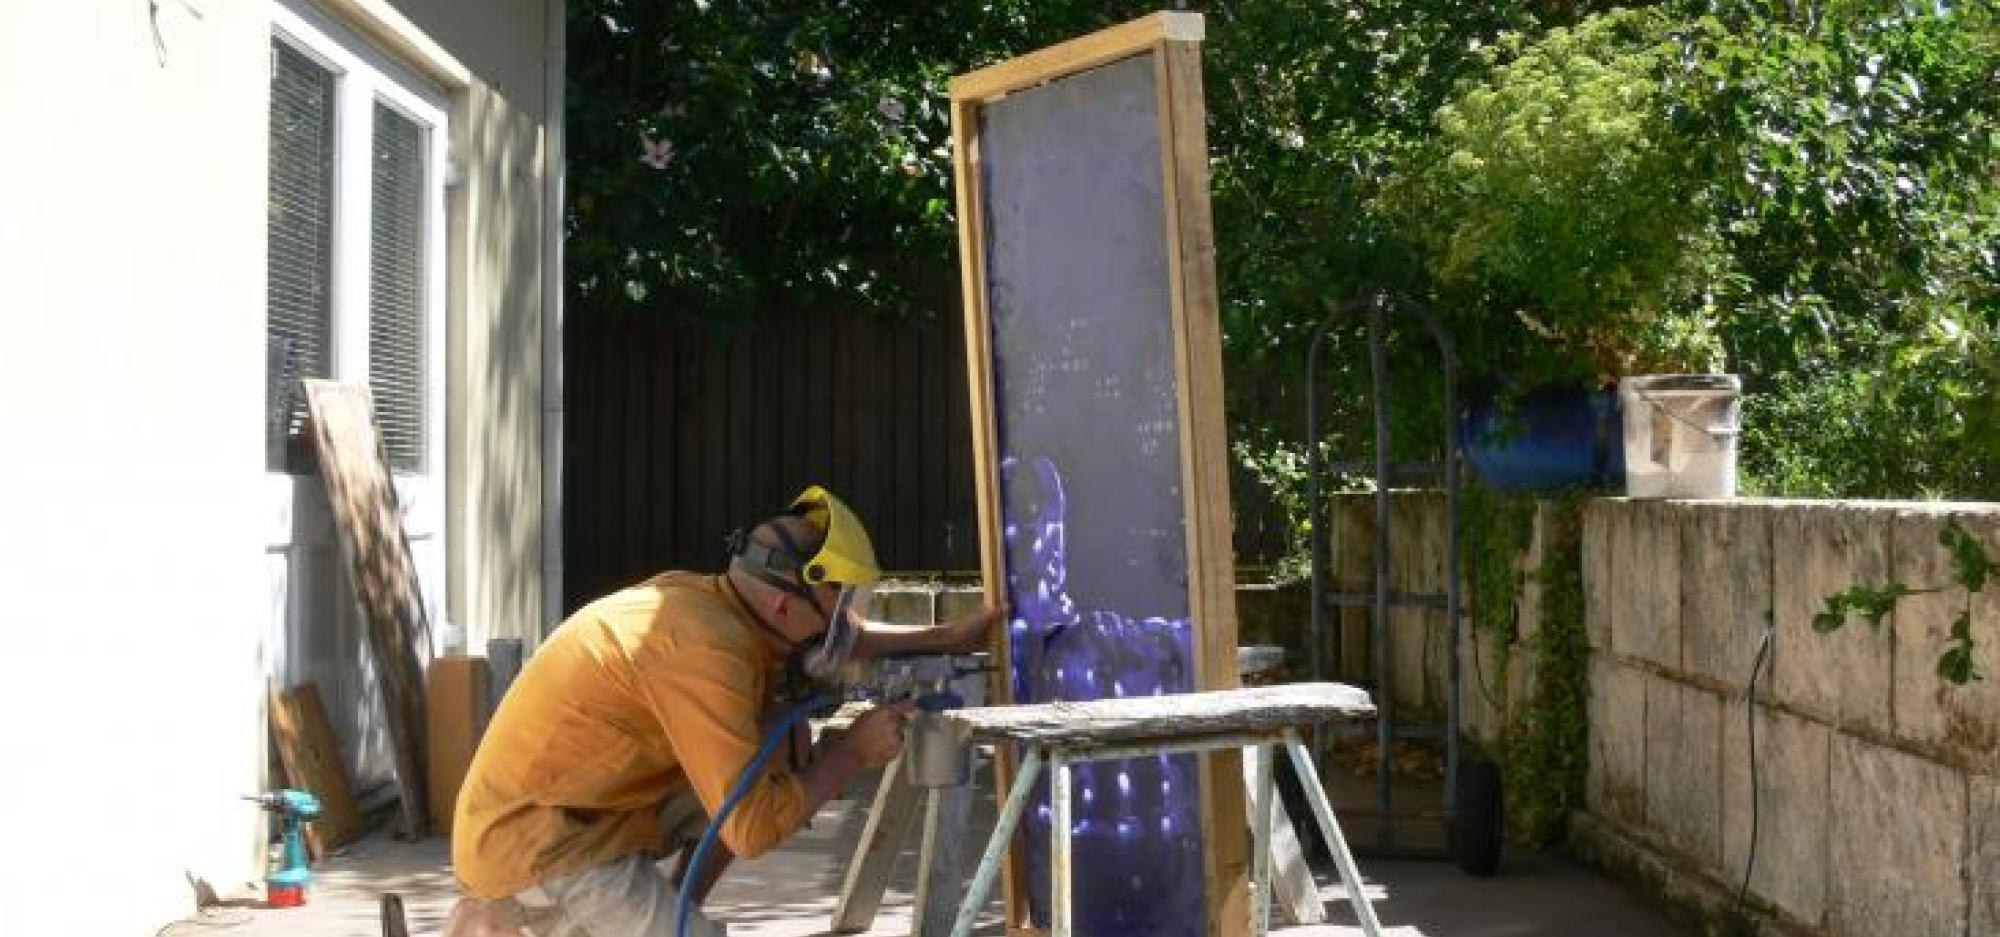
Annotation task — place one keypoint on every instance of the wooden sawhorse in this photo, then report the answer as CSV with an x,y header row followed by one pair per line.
x,y
1059,735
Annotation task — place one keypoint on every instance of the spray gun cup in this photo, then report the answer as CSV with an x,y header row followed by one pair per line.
x,y
939,753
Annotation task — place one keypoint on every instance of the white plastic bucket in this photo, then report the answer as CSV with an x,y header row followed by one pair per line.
x,y
1680,434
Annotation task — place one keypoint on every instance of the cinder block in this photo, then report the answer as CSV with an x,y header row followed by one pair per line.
x,y
1818,550
1725,588
1898,835
1928,708
1597,582
902,605
1683,775
1617,776
955,601
1791,809
1984,855
1645,583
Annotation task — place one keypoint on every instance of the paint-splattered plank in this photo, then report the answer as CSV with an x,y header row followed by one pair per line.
x,y
1175,716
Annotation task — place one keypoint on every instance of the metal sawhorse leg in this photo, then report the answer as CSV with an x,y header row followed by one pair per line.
x,y
1058,760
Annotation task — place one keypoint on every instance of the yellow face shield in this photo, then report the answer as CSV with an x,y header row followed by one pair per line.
x,y
844,560
845,557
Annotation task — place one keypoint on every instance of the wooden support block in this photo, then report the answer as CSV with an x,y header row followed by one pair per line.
x,y
456,702
311,757
1291,882
890,820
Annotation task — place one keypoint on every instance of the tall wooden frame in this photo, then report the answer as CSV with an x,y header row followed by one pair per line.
x,y
1173,41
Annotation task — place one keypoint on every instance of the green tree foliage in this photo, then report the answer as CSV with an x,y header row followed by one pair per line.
x,y
1802,192
1554,204
1855,154
729,157
1314,106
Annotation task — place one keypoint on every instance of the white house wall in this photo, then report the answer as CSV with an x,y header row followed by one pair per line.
x,y
131,362
496,346
137,597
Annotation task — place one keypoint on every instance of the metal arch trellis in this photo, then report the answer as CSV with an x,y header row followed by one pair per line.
x,y
1376,311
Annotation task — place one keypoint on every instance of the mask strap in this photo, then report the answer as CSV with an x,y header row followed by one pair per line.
x,y
792,647
765,563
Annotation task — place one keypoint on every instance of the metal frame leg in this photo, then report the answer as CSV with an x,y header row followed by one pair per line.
x,y
996,846
1261,879
1059,848
1329,828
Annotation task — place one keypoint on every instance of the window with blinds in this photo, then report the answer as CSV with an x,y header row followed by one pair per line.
x,y
298,288
353,260
396,288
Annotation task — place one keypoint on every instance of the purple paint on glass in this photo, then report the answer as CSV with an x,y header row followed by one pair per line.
x,y
1128,834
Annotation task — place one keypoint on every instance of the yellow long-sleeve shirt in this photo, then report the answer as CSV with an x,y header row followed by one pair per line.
x,y
635,697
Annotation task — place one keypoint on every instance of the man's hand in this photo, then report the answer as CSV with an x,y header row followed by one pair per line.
x,y
873,740
876,737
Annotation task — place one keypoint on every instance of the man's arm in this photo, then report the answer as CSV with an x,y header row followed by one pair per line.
x,y
704,701
964,635
707,700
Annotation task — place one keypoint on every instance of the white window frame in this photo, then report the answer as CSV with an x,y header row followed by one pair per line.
x,y
363,75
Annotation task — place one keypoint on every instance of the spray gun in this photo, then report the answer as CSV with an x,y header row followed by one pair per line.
x,y
936,750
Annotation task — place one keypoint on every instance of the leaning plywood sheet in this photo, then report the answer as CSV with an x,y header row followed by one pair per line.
x,y
370,526
1250,710
1094,360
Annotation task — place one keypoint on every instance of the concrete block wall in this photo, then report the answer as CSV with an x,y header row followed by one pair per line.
x,y
1876,801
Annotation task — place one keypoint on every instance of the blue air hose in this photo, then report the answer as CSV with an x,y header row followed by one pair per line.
x,y
691,881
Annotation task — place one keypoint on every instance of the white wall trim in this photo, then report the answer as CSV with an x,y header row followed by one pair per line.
x,y
388,27
369,75
555,91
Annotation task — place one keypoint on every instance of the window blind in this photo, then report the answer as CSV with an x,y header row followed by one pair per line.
x,y
396,313
298,287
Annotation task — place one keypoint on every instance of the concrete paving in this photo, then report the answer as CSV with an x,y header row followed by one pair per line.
x,y
791,893
788,895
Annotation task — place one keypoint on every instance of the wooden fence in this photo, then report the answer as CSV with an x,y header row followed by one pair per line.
x,y
676,434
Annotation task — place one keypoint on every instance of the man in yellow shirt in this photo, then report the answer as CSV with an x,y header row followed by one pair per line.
x,y
627,729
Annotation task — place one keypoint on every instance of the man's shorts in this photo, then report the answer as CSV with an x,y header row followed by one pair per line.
x,y
627,897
